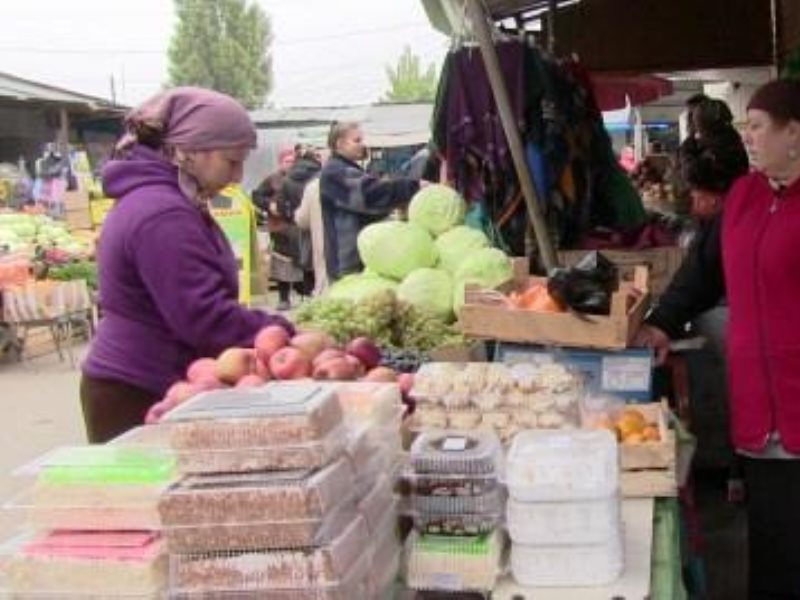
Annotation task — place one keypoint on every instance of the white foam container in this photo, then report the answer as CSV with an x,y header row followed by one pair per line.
x,y
552,466
563,523
568,566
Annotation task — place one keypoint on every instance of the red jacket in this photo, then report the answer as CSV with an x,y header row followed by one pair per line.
x,y
761,259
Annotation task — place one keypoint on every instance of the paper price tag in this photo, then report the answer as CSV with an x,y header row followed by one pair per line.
x,y
626,374
454,444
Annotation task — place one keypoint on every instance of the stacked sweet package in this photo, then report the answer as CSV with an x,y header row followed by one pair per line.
x,y
267,506
456,502
504,398
563,513
373,414
92,524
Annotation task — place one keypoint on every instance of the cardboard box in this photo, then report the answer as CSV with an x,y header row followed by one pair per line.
x,y
486,314
626,374
662,263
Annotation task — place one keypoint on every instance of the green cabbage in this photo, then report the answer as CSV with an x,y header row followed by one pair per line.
x,y
358,286
437,208
458,243
488,267
394,248
430,290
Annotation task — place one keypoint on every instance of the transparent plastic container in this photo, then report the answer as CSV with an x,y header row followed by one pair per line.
x,y
367,439
279,570
100,511
490,503
369,402
277,457
563,523
568,566
562,466
456,525
453,564
102,464
378,502
84,565
456,452
449,486
384,462
264,417
258,498
384,574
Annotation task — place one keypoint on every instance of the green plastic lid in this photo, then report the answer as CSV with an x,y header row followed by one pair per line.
x,y
106,465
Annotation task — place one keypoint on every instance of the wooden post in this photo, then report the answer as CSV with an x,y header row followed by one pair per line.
x,y
481,27
63,133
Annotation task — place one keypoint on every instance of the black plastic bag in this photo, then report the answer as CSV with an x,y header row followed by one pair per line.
x,y
586,287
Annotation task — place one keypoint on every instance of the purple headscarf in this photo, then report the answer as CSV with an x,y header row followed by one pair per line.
x,y
190,119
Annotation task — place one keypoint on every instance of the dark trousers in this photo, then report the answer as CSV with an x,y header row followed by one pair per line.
x,y
110,408
773,516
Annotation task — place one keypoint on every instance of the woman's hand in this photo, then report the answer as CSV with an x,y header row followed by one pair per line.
x,y
650,336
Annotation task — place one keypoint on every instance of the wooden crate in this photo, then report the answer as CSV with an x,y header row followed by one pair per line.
x,y
648,469
486,315
662,263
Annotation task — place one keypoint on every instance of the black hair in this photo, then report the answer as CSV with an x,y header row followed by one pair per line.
x,y
712,167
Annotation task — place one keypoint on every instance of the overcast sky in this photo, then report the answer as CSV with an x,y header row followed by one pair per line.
x,y
326,52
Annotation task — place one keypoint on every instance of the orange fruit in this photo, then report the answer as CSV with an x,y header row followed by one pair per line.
x,y
651,434
633,438
629,424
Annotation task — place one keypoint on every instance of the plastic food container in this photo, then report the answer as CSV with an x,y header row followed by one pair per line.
x,y
378,503
453,564
562,466
277,457
320,568
369,402
455,524
256,510
568,566
367,439
456,452
85,565
563,523
490,503
264,417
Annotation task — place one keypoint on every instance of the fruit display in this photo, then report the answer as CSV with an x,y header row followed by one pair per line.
x,y
20,232
381,317
277,356
629,425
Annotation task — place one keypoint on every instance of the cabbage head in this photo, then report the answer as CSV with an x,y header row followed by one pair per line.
x,y
488,267
358,286
429,290
395,248
458,243
437,208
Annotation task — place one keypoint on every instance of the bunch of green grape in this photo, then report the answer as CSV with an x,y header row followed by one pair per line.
x,y
332,315
374,316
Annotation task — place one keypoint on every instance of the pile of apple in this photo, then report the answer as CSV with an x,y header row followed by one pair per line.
x,y
277,356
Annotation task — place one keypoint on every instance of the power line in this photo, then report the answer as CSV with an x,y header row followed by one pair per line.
x,y
276,42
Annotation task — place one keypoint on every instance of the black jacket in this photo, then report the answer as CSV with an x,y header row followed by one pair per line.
x,y
698,285
297,177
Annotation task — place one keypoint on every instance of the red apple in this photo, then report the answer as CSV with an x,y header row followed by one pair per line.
x,y
250,381
235,363
262,369
406,381
201,369
366,351
336,369
290,363
328,354
182,391
358,367
269,340
158,410
384,374
312,343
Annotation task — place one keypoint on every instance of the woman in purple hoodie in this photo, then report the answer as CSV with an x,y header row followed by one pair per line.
x,y
168,277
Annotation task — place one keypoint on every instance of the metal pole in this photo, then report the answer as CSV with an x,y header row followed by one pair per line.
x,y
552,7
479,22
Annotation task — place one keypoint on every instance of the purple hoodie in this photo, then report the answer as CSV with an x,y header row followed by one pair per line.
x,y
168,280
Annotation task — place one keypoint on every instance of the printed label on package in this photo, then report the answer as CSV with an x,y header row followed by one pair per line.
x,y
626,374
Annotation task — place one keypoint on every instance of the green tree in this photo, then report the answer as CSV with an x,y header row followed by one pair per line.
x,y
408,82
223,45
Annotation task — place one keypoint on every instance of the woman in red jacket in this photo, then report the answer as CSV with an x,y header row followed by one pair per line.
x,y
756,265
